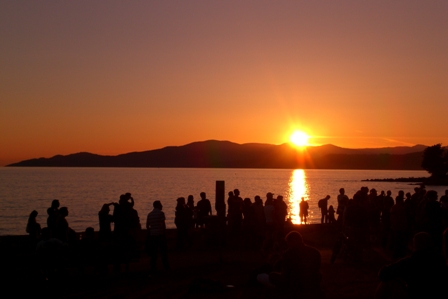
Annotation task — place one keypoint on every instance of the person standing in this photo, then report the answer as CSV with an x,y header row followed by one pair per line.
x,y
182,221
105,220
323,204
342,204
204,209
156,241
303,211
53,214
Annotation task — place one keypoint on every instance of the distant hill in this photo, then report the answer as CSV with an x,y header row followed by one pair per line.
x,y
225,154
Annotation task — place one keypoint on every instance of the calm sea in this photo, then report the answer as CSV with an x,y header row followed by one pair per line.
x,y
85,190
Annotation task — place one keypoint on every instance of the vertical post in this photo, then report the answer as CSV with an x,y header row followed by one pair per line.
x,y
220,204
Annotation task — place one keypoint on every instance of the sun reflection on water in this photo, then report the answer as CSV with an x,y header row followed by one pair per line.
x,y
298,188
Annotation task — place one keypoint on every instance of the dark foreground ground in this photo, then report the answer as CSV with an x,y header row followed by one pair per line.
x,y
202,271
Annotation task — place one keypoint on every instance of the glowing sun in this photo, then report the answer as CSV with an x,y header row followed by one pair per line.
x,y
299,138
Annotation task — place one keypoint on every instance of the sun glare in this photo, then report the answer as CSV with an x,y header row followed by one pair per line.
x,y
299,138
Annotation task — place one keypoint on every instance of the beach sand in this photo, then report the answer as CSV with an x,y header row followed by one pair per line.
x,y
230,266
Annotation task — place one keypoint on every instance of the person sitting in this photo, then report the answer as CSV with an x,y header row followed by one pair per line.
x,y
33,227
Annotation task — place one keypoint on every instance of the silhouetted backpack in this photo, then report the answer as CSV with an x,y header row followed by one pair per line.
x,y
321,203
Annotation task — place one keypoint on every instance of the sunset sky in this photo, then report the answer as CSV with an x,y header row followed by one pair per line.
x,y
111,77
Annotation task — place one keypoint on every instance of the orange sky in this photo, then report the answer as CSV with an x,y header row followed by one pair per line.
x,y
111,77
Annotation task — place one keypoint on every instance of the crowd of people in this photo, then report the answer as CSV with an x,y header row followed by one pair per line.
x,y
365,217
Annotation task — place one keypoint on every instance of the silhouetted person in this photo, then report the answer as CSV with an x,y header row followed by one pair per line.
x,y
89,250
155,224
105,220
374,210
298,269
355,224
204,209
121,227
126,219
399,227
32,227
259,219
432,220
61,230
303,213
193,211
126,226
269,216
235,211
323,204
386,205
53,213
182,222
424,272
342,204
247,213
331,212
281,211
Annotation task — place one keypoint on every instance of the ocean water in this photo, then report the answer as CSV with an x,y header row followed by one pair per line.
x,y
85,190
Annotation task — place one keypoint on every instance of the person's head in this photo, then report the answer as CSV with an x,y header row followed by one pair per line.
x,y
33,214
280,198
303,198
247,201
190,199
123,199
270,195
105,208
55,204
401,193
181,201
342,191
203,195
258,199
408,195
157,205
294,239
63,211
89,233
389,193
327,197
230,193
236,192
373,192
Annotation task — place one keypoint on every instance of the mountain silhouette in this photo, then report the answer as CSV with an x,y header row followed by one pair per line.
x,y
226,154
